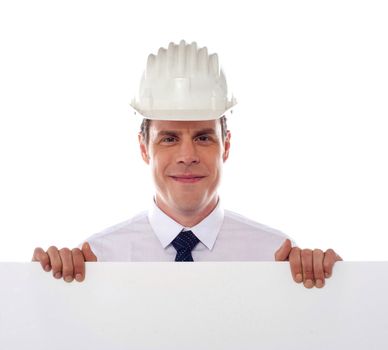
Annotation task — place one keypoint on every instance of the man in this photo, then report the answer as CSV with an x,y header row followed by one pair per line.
x,y
184,139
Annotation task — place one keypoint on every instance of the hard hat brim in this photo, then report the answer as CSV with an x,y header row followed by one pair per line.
x,y
183,115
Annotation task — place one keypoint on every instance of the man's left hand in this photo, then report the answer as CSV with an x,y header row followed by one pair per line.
x,y
308,266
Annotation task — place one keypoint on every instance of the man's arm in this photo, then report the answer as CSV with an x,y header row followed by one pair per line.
x,y
66,263
308,266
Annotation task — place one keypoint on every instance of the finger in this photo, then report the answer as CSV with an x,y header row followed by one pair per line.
x,y
307,266
319,275
284,251
41,256
55,260
296,265
67,264
88,253
79,264
329,261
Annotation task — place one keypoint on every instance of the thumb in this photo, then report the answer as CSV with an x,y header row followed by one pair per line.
x,y
284,251
88,253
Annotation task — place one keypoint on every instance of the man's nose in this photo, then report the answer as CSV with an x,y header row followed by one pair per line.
x,y
187,153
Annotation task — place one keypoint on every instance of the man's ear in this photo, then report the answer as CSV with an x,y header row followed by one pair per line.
x,y
226,146
143,149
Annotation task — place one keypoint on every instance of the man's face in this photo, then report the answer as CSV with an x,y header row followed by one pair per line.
x,y
186,159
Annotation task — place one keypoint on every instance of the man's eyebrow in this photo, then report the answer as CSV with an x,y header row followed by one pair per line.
x,y
209,131
168,132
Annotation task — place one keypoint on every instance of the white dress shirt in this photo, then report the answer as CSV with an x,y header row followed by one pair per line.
x,y
223,234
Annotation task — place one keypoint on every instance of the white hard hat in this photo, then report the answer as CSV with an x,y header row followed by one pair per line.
x,y
183,83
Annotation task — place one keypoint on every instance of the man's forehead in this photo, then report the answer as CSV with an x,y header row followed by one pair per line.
x,y
161,125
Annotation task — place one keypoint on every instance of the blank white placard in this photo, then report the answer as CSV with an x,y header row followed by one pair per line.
x,y
238,305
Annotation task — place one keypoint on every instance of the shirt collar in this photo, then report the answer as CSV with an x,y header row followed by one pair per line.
x,y
166,229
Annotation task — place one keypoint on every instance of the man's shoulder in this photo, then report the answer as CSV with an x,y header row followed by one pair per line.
x,y
135,224
240,223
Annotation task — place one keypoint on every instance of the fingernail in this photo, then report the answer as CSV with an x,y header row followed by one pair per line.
x,y
298,277
86,245
47,268
68,278
319,283
309,284
78,277
327,275
58,275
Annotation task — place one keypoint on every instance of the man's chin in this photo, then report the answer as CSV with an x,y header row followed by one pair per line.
x,y
192,205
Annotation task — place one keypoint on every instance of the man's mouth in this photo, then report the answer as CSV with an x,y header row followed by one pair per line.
x,y
187,178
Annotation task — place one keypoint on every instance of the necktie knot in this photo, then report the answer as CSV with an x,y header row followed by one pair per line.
x,y
184,244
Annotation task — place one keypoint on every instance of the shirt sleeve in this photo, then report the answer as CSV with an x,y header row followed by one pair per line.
x,y
96,247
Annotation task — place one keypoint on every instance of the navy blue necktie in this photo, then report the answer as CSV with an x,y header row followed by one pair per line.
x,y
184,244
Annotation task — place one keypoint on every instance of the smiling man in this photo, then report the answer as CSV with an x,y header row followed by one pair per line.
x,y
184,139
186,159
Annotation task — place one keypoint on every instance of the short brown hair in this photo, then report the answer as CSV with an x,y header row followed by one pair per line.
x,y
145,129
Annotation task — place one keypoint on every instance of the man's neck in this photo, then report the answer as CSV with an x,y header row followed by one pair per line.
x,y
188,218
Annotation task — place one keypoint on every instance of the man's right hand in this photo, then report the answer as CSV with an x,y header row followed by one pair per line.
x,y
65,263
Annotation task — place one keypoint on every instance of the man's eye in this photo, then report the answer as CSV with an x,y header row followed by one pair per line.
x,y
169,139
203,138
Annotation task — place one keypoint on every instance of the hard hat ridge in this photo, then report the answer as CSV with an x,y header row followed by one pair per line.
x,y
182,82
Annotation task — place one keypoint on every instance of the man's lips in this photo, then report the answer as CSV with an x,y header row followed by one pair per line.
x,y
187,178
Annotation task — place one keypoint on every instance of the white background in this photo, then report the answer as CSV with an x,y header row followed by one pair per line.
x,y
309,136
